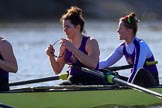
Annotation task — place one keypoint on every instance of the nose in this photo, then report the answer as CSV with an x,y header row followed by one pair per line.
x,y
64,29
117,30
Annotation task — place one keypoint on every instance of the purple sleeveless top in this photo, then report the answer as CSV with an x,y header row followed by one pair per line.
x,y
4,79
3,74
72,60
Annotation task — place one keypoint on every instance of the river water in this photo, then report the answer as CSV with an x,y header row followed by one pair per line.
x,y
30,39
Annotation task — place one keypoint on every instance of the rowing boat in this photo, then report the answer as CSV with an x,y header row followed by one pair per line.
x,y
120,94
78,97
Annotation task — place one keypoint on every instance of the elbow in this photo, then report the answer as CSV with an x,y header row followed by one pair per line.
x,y
56,71
15,69
94,66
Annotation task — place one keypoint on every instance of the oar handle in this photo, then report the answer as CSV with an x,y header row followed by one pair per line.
x,y
151,63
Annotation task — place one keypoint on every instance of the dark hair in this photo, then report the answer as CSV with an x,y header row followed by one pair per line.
x,y
130,22
74,14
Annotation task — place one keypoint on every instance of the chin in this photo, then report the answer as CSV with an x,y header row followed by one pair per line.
x,y
68,36
119,38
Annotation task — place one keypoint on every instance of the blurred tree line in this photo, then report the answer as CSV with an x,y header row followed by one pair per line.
x,y
99,9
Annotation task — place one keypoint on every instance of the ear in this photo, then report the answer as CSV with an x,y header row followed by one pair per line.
x,y
78,27
130,30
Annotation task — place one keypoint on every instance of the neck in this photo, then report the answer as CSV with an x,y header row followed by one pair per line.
x,y
77,40
128,41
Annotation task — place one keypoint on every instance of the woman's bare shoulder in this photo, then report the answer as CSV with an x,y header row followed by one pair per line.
x,y
4,43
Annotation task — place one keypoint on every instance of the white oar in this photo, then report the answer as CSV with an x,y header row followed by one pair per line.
x,y
111,78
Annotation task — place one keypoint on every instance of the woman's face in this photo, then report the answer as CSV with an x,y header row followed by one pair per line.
x,y
123,31
69,29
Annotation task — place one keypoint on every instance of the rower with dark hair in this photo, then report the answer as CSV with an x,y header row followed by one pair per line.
x,y
77,50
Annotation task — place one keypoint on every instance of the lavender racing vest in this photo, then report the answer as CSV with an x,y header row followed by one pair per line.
x,y
135,58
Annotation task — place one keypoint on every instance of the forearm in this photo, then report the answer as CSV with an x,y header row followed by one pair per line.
x,y
8,66
55,65
110,60
88,60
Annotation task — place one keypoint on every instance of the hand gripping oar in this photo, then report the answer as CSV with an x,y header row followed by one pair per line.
x,y
62,76
112,79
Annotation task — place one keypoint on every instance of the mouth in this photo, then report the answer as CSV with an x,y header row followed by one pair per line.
x,y
67,34
119,36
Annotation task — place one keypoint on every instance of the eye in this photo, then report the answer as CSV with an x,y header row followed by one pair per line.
x,y
66,26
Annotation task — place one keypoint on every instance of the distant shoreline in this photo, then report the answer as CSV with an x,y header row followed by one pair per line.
x,y
21,10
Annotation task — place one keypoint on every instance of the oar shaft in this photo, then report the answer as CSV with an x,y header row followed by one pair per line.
x,y
122,82
111,78
35,81
62,76
115,68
